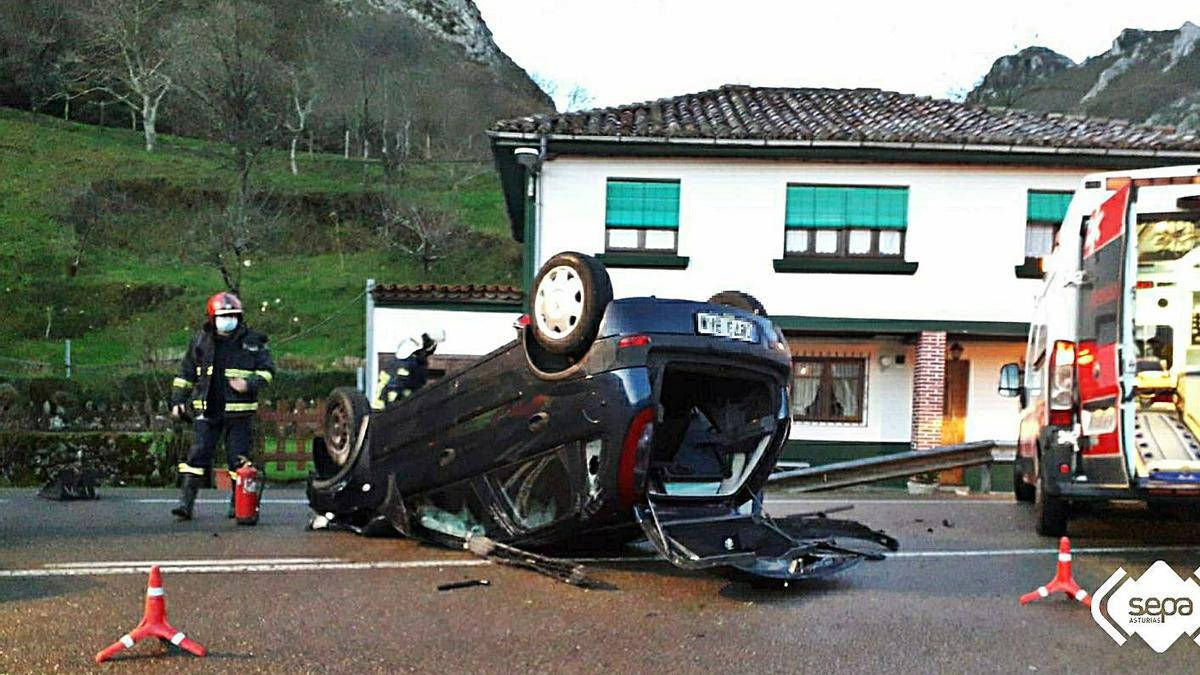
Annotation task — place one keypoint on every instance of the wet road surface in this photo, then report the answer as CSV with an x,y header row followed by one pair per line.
x,y
276,598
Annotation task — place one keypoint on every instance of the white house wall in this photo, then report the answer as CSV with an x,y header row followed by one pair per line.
x,y
888,392
966,228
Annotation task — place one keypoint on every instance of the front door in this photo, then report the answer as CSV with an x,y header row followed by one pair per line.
x,y
954,413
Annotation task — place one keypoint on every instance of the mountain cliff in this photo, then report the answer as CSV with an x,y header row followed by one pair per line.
x,y
1145,76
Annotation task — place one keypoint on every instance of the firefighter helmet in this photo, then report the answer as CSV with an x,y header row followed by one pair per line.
x,y
223,303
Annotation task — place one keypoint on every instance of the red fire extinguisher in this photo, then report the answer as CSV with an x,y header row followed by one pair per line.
x,y
247,493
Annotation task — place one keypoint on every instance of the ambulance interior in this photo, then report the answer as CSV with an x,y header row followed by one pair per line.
x,y
1166,332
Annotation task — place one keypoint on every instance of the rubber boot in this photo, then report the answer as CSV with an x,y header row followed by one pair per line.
x,y
187,497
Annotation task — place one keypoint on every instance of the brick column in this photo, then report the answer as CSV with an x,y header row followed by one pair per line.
x,y
929,378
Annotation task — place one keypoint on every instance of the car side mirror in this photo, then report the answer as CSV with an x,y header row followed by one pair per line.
x,y
1010,380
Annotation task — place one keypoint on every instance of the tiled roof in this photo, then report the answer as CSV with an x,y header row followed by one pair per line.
x,y
863,115
442,293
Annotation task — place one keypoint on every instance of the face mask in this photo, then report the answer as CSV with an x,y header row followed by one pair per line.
x,y
225,324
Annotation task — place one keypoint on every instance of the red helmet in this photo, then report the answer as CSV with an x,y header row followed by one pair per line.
x,y
223,303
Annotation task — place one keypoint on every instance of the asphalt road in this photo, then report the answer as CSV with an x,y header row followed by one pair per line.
x,y
276,598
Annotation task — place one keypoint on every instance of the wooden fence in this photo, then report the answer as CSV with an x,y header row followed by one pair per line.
x,y
284,438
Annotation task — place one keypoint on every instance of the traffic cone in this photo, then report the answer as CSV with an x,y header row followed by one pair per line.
x,y
1063,581
154,624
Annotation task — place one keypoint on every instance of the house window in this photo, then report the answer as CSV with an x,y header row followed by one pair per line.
x,y
641,215
845,221
828,389
1044,213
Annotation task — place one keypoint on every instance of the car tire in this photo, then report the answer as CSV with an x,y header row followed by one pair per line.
x,y
570,294
1052,512
739,300
345,410
1024,492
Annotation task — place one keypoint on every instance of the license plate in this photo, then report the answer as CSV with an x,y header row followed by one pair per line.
x,y
725,325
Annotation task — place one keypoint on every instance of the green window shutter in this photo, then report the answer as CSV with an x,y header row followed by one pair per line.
x,y
632,203
1050,207
893,208
816,206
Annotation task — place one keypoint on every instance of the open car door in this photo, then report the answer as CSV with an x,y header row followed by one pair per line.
x,y
1104,326
795,547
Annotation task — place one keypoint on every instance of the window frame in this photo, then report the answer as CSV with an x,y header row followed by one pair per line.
x,y
1055,226
826,381
843,231
641,248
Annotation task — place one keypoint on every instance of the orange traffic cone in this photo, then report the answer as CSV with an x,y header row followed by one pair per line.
x,y
154,624
1063,581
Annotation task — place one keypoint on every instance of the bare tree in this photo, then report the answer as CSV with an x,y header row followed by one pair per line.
x,y
228,239
577,98
422,233
301,98
132,51
36,52
237,81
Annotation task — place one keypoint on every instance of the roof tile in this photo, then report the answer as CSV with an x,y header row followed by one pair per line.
x,y
872,115
440,293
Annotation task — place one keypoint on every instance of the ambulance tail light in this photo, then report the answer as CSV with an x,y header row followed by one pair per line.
x,y
1062,384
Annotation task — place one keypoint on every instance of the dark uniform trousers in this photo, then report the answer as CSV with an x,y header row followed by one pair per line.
x,y
209,430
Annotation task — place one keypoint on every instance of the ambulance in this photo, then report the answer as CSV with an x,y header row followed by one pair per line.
x,y
1109,386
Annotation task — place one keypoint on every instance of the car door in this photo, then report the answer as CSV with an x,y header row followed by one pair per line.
x,y
1104,324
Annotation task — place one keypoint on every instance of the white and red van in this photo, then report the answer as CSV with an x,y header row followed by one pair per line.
x,y
1110,388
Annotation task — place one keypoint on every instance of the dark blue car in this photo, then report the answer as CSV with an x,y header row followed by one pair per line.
x,y
606,421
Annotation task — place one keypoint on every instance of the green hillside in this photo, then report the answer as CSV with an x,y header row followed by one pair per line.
x,y
135,220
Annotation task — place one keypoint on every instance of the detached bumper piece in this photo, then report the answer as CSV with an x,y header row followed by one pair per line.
x,y
802,546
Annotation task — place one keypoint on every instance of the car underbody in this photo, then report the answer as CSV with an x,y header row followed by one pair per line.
x,y
663,426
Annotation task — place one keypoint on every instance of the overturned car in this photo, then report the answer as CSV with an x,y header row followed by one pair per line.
x,y
605,422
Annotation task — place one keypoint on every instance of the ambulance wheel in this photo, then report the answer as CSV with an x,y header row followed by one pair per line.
x,y
1052,512
739,300
570,294
345,410
1024,492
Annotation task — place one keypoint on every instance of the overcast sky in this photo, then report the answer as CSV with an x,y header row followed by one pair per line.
x,y
624,51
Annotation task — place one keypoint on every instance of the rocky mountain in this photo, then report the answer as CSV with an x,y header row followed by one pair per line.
x,y
459,22
1146,76
421,77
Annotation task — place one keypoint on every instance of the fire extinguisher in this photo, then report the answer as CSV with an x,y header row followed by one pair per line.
x,y
247,493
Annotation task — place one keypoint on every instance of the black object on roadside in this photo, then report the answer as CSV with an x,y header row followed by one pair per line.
x,y
466,583
70,484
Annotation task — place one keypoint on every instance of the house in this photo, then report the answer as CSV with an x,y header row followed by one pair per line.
x,y
895,238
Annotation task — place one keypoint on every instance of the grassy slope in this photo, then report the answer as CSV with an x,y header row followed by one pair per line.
x,y
43,162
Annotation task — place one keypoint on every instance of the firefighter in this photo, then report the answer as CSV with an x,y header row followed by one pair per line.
x,y
407,370
225,367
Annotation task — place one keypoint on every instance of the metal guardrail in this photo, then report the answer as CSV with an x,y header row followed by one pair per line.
x,y
874,469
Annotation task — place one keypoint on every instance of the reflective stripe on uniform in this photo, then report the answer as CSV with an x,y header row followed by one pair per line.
x,y
199,404
241,407
264,374
238,372
384,378
181,383
184,467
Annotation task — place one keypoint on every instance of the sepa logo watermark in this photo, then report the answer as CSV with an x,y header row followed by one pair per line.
x,y
1160,607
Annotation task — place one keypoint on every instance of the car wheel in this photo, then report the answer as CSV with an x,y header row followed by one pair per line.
x,y
739,300
570,294
1052,511
345,410
1024,492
